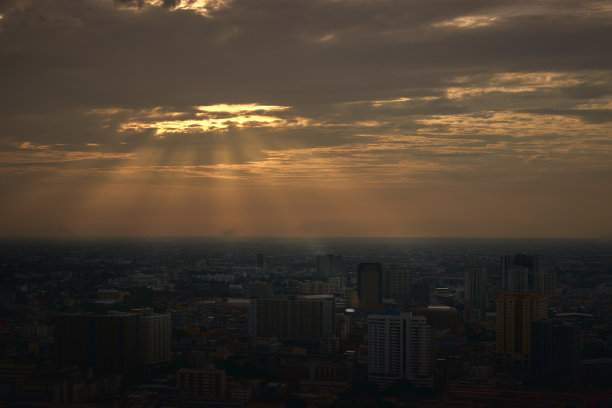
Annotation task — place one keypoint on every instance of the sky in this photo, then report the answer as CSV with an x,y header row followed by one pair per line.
x,y
378,118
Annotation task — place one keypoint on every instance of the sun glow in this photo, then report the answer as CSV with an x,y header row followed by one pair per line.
x,y
468,22
239,108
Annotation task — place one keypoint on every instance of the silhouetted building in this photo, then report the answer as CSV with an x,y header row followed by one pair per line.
x,y
475,280
514,314
329,266
399,347
262,261
555,354
370,285
396,284
106,344
421,293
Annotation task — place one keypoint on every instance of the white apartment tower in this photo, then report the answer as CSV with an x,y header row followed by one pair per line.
x,y
399,347
155,330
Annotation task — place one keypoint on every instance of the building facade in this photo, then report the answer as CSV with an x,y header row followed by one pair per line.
x,y
396,284
555,354
514,314
155,333
304,320
201,383
475,280
329,266
105,344
399,347
370,284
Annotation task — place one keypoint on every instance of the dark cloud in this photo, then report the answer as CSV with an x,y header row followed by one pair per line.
x,y
587,91
130,3
276,50
587,115
171,4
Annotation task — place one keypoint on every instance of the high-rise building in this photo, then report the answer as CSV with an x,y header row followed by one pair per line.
x,y
352,299
343,324
339,282
106,344
516,279
262,264
303,320
370,285
514,314
545,284
329,266
399,347
518,272
476,288
555,354
155,333
525,273
396,284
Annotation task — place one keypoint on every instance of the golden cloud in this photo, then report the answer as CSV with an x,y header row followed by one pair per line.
x,y
511,82
468,22
510,123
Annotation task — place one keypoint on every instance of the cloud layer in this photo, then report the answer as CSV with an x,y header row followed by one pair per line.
x,y
308,117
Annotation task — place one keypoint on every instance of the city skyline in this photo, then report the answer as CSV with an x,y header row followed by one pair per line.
x,y
233,322
306,118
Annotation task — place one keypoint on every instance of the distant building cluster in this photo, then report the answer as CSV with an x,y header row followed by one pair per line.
x,y
421,328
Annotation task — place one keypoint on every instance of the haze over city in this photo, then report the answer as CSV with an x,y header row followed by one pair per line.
x,y
305,118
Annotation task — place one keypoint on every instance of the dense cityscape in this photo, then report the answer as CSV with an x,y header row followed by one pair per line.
x,y
269,322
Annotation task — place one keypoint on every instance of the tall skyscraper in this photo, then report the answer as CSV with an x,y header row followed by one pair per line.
x,y
399,347
396,284
329,266
514,314
304,320
370,285
475,280
555,354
